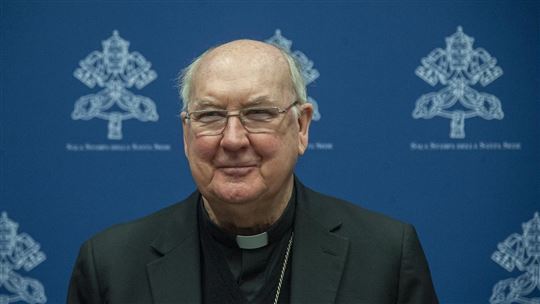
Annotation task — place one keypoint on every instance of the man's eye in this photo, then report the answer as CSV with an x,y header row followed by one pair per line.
x,y
209,116
260,114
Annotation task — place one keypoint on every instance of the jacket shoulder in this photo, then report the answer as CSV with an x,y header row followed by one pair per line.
x,y
354,220
143,230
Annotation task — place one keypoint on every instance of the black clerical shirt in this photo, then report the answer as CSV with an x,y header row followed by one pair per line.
x,y
235,275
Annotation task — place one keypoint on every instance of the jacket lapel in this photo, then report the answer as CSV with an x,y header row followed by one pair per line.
x,y
319,255
175,276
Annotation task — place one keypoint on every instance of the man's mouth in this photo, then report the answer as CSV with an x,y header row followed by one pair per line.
x,y
237,170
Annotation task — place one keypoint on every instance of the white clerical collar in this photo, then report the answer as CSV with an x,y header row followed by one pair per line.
x,y
252,241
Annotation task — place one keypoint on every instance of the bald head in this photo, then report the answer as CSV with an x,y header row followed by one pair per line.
x,y
245,52
248,56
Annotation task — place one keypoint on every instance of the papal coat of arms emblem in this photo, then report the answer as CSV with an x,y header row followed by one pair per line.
x,y
18,251
115,70
521,251
458,67
306,66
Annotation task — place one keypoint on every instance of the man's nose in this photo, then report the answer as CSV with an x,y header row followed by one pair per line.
x,y
234,134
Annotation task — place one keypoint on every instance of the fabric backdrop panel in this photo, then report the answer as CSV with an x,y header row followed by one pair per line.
x,y
427,111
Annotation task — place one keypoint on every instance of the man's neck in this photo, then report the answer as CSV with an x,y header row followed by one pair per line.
x,y
251,217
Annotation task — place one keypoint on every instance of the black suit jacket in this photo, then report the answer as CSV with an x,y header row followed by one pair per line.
x,y
341,254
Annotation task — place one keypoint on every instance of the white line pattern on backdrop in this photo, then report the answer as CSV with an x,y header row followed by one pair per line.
x,y
306,66
458,67
19,251
115,70
521,251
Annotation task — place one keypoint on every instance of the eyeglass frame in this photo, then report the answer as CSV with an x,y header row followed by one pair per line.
x,y
240,116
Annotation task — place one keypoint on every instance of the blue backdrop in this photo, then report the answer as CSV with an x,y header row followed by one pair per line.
x,y
63,178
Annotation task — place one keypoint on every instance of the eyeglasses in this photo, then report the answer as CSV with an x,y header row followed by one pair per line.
x,y
254,119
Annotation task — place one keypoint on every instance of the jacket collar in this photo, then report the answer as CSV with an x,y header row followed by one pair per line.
x,y
318,258
319,255
175,276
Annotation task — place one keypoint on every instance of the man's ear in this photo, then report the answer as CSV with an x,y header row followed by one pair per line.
x,y
184,131
304,120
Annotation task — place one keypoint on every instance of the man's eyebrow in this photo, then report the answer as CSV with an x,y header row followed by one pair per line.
x,y
259,100
205,104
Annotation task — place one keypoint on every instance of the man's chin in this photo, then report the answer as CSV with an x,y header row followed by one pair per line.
x,y
238,192
247,186
237,196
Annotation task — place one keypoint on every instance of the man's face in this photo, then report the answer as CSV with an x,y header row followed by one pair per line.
x,y
240,167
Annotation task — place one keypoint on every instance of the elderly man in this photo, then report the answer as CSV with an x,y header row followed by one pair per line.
x,y
252,233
